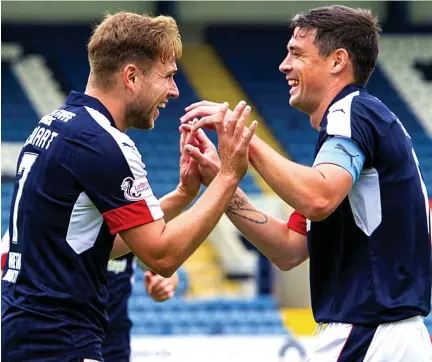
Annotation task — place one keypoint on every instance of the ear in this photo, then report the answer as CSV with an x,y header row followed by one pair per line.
x,y
339,59
130,77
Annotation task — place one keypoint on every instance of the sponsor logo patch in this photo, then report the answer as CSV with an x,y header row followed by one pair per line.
x,y
135,190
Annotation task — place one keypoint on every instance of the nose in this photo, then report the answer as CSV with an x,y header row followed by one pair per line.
x,y
173,92
286,65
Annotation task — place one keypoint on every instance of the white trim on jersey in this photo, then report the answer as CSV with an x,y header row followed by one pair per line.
x,y
133,159
126,145
365,201
339,116
86,220
84,225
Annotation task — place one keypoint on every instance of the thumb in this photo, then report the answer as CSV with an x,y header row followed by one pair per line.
x,y
190,150
195,154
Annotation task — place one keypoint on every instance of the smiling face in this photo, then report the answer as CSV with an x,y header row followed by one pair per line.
x,y
148,91
307,72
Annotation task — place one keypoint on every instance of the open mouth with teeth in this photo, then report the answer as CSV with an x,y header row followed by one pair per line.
x,y
161,105
293,82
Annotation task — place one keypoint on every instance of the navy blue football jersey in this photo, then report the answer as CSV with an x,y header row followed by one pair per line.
x,y
79,182
370,259
116,345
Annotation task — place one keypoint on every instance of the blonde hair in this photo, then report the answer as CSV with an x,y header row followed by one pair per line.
x,y
129,37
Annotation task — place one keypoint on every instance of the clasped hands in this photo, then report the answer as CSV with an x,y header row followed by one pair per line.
x,y
200,161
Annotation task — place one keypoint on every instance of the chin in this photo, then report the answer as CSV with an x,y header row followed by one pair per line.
x,y
147,125
293,103
297,104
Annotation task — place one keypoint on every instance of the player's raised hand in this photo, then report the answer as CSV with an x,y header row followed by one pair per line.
x,y
234,138
203,112
190,178
205,154
160,288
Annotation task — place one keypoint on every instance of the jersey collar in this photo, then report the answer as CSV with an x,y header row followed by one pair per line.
x,y
84,100
350,88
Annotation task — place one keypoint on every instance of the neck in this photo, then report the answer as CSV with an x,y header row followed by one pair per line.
x,y
112,102
317,115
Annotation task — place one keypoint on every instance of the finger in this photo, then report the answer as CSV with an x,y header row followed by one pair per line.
x,y
189,116
156,288
196,155
214,120
154,282
201,103
247,136
237,113
204,143
149,280
163,290
189,137
163,297
241,123
200,111
161,286
206,123
219,119
182,140
185,127
195,105
202,137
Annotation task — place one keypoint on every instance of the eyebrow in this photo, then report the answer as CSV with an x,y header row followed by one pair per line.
x,y
292,48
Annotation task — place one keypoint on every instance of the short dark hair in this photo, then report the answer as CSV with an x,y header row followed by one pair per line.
x,y
355,30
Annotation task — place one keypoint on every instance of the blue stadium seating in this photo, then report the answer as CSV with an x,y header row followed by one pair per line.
x,y
6,196
18,115
215,316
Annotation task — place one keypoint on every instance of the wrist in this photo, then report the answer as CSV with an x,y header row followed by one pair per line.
x,y
184,195
228,178
253,145
254,150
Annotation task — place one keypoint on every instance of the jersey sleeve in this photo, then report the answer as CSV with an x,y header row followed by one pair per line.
x,y
111,172
351,118
342,152
297,222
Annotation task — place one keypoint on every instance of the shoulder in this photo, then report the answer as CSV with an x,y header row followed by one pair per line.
x,y
107,141
358,110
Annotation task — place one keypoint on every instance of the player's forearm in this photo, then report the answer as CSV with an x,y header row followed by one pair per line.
x,y
185,233
302,187
174,203
269,234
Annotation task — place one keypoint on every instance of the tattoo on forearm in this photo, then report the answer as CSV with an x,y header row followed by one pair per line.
x,y
237,207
